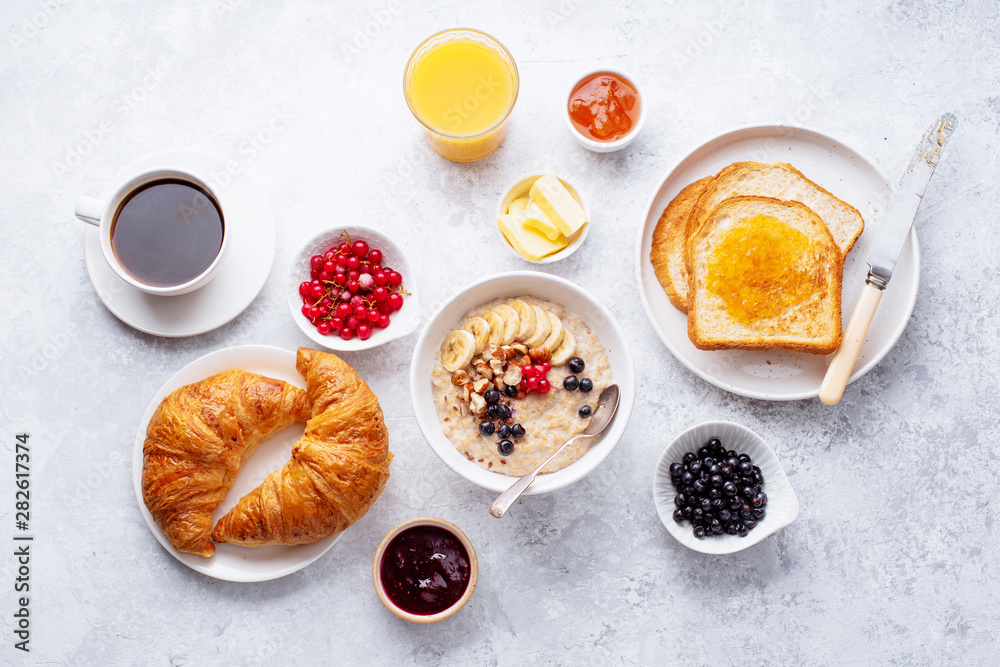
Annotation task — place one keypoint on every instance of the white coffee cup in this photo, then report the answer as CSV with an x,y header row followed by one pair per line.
x,y
101,213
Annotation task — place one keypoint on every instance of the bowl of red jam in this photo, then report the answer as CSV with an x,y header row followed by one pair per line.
x,y
425,570
605,110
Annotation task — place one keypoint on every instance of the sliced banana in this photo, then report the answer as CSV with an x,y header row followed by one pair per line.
x,y
480,329
556,334
526,317
566,349
457,350
511,323
543,325
497,327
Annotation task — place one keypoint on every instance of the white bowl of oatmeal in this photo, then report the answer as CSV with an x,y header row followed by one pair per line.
x,y
450,421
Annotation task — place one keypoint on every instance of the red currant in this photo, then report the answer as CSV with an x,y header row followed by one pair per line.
x,y
356,301
546,367
305,289
318,291
529,372
381,278
533,382
323,311
353,275
395,278
353,262
374,316
375,256
383,321
324,276
326,302
364,331
340,279
361,312
395,300
336,323
360,248
314,274
345,248
316,262
543,386
380,294
341,259
323,328
366,281
313,313
383,308
353,285
346,334
344,310
329,266
305,311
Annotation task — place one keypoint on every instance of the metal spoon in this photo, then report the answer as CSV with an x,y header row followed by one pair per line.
x,y
607,406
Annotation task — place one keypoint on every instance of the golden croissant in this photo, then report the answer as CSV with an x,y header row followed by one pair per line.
x,y
198,439
336,472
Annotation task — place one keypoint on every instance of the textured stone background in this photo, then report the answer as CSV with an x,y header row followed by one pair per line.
x,y
889,561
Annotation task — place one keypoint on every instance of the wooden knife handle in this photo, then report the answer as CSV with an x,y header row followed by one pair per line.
x,y
843,359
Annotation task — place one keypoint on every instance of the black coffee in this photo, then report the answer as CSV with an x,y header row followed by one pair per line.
x,y
167,232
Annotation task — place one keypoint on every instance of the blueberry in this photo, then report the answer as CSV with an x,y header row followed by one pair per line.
x,y
716,480
503,430
486,428
492,396
760,500
718,503
703,453
699,532
493,411
759,512
576,365
746,468
571,382
586,411
503,411
748,493
715,469
744,458
517,431
714,494
687,478
729,489
688,458
695,467
732,462
680,500
510,390
698,486
731,529
708,461
697,514
750,523
706,505
505,447
586,384
678,515
716,526
715,444
724,514
732,453
727,472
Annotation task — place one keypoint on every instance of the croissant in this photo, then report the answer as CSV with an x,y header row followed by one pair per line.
x,y
337,469
198,439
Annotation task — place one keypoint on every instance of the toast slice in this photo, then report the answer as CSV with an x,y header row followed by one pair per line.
x,y
764,274
670,240
779,181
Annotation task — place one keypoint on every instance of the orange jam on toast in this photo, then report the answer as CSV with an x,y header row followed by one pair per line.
x,y
761,269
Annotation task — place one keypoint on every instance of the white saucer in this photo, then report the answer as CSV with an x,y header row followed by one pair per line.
x,y
231,562
776,374
240,275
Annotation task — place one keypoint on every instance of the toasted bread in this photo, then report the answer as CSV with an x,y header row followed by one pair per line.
x,y
780,181
669,241
764,274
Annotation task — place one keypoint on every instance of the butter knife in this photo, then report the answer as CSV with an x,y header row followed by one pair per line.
x,y
889,241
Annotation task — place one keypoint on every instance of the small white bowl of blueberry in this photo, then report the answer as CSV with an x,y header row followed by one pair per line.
x,y
719,488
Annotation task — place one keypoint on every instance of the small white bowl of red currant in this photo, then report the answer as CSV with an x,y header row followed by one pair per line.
x,y
351,288
719,488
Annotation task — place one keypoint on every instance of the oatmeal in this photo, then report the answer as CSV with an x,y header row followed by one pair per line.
x,y
515,380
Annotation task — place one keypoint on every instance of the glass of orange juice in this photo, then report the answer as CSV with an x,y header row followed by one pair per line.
x,y
461,84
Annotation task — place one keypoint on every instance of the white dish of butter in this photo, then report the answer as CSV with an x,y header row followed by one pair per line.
x,y
542,218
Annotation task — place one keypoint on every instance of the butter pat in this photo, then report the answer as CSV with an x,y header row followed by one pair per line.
x,y
558,204
520,230
518,204
536,219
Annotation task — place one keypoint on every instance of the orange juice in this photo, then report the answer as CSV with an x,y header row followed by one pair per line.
x,y
462,84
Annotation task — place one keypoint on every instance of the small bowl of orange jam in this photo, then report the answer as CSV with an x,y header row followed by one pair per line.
x,y
605,110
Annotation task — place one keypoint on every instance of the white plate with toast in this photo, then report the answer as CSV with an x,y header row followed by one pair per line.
x,y
783,374
231,562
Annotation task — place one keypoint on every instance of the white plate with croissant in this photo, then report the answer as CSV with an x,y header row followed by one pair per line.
x,y
227,476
